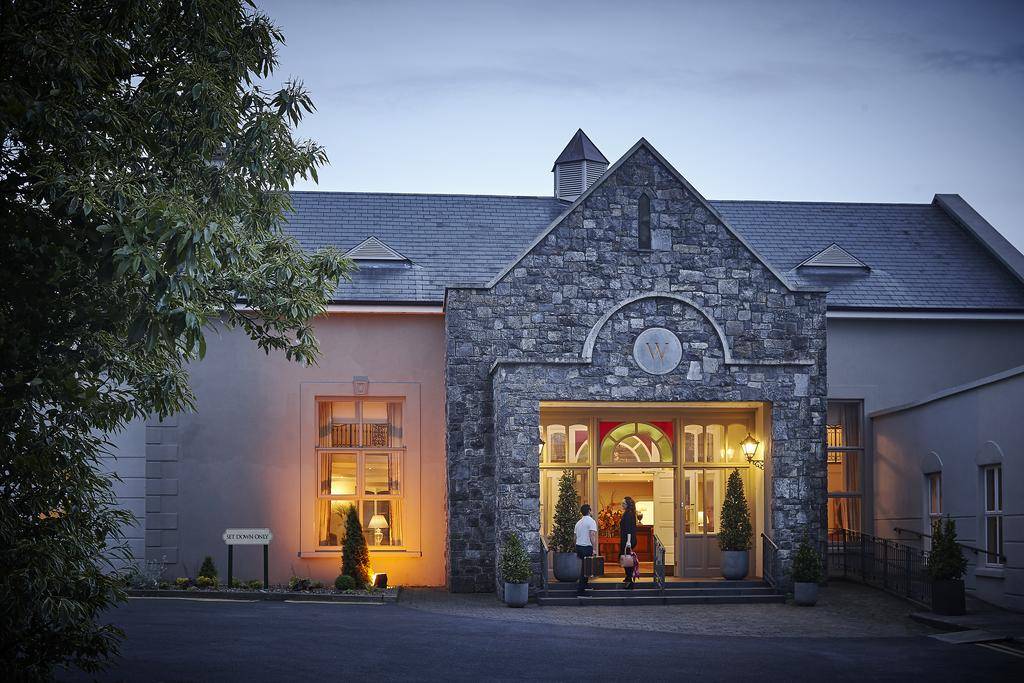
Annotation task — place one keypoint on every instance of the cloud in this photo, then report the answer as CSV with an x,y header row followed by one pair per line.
x,y
1008,60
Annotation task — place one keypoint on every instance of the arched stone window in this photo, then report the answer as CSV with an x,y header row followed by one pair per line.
x,y
643,225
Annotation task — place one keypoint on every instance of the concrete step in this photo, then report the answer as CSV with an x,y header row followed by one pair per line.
x,y
557,587
678,592
639,600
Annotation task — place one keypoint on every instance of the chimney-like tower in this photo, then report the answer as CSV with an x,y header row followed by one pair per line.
x,y
577,167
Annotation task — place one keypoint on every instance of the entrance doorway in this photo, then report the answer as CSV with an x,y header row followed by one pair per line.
x,y
672,459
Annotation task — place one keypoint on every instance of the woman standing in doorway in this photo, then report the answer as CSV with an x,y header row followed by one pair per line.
x,y
627,538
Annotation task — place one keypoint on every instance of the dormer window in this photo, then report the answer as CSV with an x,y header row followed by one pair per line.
x,y
643,222
835,257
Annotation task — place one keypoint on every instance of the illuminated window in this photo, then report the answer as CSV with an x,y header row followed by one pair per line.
x,y
565,445
845,454
359,454
993,483
634,443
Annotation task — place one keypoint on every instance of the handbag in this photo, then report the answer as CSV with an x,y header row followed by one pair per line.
x,y
626,559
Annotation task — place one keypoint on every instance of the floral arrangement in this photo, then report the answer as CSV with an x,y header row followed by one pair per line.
x,y
608,518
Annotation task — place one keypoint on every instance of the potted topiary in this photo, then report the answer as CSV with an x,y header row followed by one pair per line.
x,y
946,567
806,574
515,571
563,534
736,531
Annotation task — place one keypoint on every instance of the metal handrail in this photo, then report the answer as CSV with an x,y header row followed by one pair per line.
x,y
659,562
881,562
544,564
769,560
976,551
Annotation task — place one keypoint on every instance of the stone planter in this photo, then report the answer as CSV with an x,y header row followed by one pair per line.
x,y
948,597
517,594
566,567
735,564
805,593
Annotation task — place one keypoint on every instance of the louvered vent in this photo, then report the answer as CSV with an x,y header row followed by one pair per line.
x,y
372,249
569,180
834,256
594,171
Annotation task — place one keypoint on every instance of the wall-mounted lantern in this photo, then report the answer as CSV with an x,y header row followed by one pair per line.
x,y
749,446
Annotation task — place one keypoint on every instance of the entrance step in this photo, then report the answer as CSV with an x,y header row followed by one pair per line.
x,y
681,593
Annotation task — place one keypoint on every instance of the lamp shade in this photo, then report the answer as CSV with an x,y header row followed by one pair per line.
x,y
749,445
377,522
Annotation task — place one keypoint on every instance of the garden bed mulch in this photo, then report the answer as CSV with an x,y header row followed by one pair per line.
x,y
273,594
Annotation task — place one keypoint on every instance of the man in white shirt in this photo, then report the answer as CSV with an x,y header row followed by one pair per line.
x,y
586,541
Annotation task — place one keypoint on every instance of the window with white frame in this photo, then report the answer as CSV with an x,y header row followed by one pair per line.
x,y
934,497
992,481
360,454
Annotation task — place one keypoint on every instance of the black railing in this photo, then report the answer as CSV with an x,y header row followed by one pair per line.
x,y
659,562
769,561
1000,558
892,566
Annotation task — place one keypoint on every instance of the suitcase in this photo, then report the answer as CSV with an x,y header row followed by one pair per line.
x,y
593,566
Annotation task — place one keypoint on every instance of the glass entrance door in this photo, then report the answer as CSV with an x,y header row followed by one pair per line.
x,y
703,491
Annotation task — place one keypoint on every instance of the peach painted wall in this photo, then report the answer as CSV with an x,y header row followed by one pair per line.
x,y
240,453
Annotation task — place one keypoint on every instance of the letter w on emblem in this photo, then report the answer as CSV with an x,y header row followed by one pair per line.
x,y
657,351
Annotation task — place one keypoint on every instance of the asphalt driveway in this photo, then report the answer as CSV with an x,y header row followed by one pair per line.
x,y
178,640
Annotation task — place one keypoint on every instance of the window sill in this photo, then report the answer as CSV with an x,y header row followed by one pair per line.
x,y
990,572
398,553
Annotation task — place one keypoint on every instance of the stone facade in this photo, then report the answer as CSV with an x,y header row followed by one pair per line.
x,y
561,323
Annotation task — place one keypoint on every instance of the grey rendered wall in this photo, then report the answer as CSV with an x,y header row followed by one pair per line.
x,y
235,462
892,362
960,430
130,466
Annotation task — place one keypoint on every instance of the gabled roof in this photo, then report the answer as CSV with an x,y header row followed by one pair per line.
x,y
921,257
580,148
833,256
372,249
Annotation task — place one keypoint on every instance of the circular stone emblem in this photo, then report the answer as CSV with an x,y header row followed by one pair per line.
x,y
657,351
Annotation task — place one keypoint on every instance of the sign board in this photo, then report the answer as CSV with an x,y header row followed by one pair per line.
x,y
247,536
657,351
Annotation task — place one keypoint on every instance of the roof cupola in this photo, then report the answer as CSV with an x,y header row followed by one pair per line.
x,y
578,166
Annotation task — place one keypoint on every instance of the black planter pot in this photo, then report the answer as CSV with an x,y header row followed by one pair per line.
x,y
948,597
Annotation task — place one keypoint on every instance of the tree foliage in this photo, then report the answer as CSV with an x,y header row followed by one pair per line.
x,y
567,510
736,531
143,179
946,561
355,556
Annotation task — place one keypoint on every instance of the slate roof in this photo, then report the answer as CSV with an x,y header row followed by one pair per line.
x,y
919,257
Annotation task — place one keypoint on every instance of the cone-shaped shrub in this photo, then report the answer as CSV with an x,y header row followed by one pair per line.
x,y
209,569
355,557
806,563
567,510
736,531
515,562
946,561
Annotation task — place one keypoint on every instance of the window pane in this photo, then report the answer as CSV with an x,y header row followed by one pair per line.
x,y
382,424
338,424
555,444
579,444
382,474
844,514
338,474
692,483
843,424
714,490
735,435
990,489
330,519
843,472
992,538
714,443
382,523
692,438
935,494
999,488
